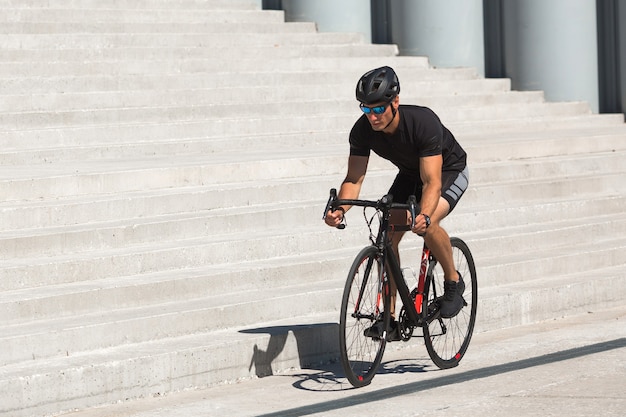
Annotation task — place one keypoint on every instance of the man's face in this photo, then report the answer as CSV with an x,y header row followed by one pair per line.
x,y
379,115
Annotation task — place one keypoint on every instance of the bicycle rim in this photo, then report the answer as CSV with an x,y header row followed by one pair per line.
x,y
364,296
447,340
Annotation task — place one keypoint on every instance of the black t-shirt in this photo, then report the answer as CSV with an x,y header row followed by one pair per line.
x,y
420,133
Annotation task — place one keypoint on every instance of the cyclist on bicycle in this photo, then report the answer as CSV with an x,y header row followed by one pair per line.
x,y
432,166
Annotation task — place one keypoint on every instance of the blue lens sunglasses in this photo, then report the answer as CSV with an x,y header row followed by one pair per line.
x,y
375,110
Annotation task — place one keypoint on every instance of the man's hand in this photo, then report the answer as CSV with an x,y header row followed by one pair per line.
x,y
334,218
420,225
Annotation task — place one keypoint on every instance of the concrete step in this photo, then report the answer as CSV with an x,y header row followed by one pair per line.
x,y
85,297
123,328
163,81
544,360
35,119
47,27
498,215
139,253
126,367
38,68
545,299
220,41
262,298
212,12
187,170
478,92
490,150
139,324
275,185
529,144
106,142
132,206
127,5
197,52
139,260
54,213
292,163
125,260
513,124
69,340
326,160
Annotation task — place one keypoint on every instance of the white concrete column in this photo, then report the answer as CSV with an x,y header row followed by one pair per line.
x,y
551,45
449,32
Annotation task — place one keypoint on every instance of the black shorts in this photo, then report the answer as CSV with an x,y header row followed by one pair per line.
x,y
453,185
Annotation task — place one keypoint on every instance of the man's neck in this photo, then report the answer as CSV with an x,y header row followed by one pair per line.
x,y
391,128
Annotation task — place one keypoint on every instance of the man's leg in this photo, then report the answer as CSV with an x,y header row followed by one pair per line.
x,y
438,241
453,187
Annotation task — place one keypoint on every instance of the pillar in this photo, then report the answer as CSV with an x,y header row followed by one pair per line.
x,y
552,46
332,15
449,32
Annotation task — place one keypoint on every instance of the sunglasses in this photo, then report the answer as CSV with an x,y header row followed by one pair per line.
x,y
375,110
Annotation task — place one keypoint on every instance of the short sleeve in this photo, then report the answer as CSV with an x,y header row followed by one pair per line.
x,y
359,145
431,136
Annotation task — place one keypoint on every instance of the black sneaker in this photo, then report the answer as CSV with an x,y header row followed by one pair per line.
x,y
377,329
460,288
452,300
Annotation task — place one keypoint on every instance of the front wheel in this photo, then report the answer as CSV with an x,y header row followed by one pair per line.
x,y
363,304
447,340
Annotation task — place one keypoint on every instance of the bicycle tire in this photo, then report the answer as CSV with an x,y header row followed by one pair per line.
x,y
365,294
447,340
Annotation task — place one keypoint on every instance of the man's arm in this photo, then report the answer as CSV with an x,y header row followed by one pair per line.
x,y
350,187
430,173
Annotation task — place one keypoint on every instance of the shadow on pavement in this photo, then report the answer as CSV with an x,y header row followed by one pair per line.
x,y
318,349
399,390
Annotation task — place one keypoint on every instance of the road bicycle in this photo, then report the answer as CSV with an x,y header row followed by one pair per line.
x,y
367,295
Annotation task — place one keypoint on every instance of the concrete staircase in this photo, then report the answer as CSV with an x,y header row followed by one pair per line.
x,y
165,164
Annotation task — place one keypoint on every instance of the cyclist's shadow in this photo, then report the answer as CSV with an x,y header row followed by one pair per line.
x,y
318,355
315,343
332,378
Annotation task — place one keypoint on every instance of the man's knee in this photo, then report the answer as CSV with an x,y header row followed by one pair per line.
x,y
441,211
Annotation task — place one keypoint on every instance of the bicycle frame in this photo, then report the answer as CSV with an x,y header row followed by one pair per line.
x,y
414,308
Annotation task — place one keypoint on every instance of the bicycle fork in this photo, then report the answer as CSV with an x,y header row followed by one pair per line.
x,y
357,307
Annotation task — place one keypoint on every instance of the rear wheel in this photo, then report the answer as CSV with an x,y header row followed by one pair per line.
x,y
364,297
447,340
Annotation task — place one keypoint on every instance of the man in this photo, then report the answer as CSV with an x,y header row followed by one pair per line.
x,y
432,166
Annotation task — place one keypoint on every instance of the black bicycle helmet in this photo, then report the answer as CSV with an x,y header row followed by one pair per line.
x,y
378,85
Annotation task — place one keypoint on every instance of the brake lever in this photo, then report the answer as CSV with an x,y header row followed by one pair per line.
x,y
412,209
329,205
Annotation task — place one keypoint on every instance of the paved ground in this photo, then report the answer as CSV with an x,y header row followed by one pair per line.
x,y
566,367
